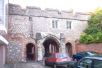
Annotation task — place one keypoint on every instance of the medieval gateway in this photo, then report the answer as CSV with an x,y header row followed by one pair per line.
x,y
33,32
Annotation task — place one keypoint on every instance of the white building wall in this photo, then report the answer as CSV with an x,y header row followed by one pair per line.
x,y
3,31
2,55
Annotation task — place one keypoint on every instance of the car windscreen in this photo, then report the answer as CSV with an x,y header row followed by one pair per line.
x,y
62,55
92,53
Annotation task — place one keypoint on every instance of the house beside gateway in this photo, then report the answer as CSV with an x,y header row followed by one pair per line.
x,y
3,31
33,32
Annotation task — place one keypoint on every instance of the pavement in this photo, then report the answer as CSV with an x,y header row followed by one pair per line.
x,y
29,64
25,65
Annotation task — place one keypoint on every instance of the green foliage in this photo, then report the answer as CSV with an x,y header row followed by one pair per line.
x,y
98,11
91,31
91,38
86,38
94,32
97,37
94,21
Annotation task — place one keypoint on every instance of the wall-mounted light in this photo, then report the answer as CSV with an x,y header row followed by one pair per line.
x,y
30,18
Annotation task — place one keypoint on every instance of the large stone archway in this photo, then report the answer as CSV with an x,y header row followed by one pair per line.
x,y
49,43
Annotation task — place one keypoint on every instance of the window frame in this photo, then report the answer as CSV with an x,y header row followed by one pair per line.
x,y
55,24
69,24
84,60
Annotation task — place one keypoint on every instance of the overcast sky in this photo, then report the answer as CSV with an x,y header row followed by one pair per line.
x,y
76,5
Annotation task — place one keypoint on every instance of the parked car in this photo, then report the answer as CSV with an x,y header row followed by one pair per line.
x,y
80,55
57,59
94,61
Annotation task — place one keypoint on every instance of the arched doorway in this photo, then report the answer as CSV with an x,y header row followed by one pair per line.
x,y
68,48
30,52
50,46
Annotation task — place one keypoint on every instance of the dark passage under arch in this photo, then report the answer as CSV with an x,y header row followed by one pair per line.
x,y
68,48
50,46
30,52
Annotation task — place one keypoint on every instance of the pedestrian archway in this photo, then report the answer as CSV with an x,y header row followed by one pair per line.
x,y
51,45
68,48
30,52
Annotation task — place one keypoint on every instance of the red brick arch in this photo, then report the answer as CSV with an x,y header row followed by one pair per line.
x,y
68,49
25,54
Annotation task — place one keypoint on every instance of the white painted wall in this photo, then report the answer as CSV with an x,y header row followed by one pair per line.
x,y
2,55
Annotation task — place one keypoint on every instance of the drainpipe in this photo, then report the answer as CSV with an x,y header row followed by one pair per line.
x,y
31,24
31,35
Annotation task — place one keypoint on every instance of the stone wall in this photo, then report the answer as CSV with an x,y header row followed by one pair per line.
x,y
19,18
25,23
47,13
19,32
97,47
19,24
14,51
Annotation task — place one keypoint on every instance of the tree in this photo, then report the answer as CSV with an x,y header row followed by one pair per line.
x,y
91,31
94,21
94,32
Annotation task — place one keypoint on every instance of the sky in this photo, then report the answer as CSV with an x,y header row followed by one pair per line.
x,y
76,5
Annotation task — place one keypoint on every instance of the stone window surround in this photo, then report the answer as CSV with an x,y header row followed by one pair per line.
x,y
54,23
69,24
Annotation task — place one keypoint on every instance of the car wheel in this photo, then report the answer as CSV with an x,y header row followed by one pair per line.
x,y
68,66
55,66
45,63
75,60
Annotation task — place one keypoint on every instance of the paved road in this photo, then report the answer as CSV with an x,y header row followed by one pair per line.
x,y
30,65
41,63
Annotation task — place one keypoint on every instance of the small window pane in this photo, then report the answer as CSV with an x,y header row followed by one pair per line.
x,y
54,24
52,56
68,25
63,55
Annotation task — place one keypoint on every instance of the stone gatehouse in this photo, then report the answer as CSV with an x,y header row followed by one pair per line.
x,y
34,32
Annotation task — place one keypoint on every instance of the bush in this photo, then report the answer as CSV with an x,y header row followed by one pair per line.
x,y
91,38
86,38
94,32
99,37
91,31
